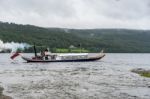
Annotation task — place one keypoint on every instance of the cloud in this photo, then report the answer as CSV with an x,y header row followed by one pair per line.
x,y
78,13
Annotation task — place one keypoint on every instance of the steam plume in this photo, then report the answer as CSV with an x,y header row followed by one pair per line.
x,y
13,46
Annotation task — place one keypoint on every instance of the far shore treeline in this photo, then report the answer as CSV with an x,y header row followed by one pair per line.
x,y
77,40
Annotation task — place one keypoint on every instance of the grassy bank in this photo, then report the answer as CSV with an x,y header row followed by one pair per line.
x,y
65,50
145,74
142,72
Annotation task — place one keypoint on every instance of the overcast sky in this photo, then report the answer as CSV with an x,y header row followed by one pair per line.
x,y
133,14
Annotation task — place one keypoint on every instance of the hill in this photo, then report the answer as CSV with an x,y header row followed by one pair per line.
x,y
112,40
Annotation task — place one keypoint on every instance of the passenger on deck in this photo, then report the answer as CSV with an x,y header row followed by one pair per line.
x,y
46,53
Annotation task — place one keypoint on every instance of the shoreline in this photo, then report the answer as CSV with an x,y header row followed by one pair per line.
x,y
142,72
2,96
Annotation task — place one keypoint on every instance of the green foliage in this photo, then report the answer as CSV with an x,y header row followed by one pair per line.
x,y
65,50
145,74
93,40
61,50
20,50
79,50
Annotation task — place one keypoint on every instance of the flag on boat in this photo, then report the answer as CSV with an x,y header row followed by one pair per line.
x,y
15,55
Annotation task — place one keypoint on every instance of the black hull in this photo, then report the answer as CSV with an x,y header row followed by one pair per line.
x,y
77,60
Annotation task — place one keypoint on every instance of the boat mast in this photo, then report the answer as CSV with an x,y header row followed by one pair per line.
x,y
35,53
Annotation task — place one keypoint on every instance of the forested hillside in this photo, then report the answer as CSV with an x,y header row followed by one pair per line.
x,y
112,40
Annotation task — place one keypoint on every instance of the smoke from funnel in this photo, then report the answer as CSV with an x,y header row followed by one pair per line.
x,y
13,46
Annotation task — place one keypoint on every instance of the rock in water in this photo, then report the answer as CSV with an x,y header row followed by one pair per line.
x,y
3,96
140,70
1,91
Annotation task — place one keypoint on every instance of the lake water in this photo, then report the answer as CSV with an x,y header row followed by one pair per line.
x,y
109,78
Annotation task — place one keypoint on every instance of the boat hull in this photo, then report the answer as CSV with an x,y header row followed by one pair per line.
x,y
76,60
